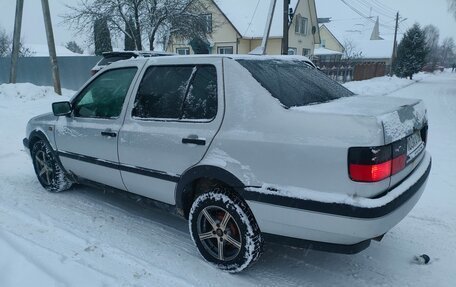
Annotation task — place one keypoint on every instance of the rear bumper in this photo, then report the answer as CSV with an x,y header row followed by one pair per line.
x,y
349,222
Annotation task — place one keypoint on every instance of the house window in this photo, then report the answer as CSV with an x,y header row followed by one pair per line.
x,y
208,22
301,25
225,50
183,51
292,51
306,52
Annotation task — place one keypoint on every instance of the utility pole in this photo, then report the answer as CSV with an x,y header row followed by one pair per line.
x,y
286,5
51,46
16,40
393,57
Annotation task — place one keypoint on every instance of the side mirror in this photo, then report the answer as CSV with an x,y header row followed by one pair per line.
x,y
61,108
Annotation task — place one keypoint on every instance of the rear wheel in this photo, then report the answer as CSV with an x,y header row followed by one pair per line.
x,y
224,230
48,171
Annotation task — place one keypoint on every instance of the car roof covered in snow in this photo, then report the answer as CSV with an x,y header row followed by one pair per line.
x,y
138,61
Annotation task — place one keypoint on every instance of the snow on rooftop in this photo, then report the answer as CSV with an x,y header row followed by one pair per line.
x,y
249,17
375,49
348,26
320,51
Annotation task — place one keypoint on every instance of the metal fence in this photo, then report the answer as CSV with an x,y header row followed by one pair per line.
x,y
74,71
339,73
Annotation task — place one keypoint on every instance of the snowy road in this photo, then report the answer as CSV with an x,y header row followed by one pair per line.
x,y
87,237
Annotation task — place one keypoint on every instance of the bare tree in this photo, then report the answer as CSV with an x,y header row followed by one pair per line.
x,y
181,19
351,52
117,13
452,7
447,51
432,35
150,18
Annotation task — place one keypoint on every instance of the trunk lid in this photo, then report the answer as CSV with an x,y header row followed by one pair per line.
x,y
399,117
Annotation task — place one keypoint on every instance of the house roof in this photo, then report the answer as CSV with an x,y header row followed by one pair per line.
x,y
320,51
347,26
249,16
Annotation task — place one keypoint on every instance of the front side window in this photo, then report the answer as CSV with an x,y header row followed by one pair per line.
x,y
104,97
177,92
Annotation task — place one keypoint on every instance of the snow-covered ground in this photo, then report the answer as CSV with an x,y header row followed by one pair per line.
x,y
87,237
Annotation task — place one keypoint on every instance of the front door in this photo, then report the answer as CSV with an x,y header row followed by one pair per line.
x,y
172,118
87,140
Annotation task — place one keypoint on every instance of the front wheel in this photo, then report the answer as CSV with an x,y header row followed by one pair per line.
x,y
224,230
48,171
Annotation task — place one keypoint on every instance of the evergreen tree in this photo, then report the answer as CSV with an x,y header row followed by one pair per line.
x,y
74,47
102,36
411,53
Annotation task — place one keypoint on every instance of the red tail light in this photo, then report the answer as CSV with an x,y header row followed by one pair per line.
x,y
398,164
370,173
372,164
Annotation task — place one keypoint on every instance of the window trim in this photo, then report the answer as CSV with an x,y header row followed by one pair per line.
x,y
295,51
299,29
177,120
183,48
225,47
305,49
208,18
99,74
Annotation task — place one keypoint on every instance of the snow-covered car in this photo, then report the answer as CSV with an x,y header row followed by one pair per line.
x,y
111,57
246,148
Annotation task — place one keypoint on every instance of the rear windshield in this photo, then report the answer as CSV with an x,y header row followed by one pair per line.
x,y
111,59
293,82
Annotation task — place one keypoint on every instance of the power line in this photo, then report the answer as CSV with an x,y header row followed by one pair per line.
x,y
384,7
357,11
371,8
253,15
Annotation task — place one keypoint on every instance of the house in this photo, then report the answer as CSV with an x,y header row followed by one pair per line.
x,y
237,27
330,49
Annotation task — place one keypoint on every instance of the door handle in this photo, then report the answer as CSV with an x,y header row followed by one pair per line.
x,y
108,134
194,140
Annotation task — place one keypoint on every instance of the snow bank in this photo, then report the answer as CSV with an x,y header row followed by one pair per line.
x,y
26,92
382,86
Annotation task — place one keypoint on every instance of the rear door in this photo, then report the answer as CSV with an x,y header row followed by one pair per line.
x,y
171,120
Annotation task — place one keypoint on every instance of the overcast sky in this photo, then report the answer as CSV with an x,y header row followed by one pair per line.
x,y
422,11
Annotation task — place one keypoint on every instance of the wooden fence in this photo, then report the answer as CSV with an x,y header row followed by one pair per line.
x,y
346,72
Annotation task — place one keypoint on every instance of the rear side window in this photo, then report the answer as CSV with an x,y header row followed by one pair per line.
x,y
293,82
177,92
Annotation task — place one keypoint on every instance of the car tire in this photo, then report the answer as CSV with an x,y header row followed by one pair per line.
x,y
224,230
49,173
